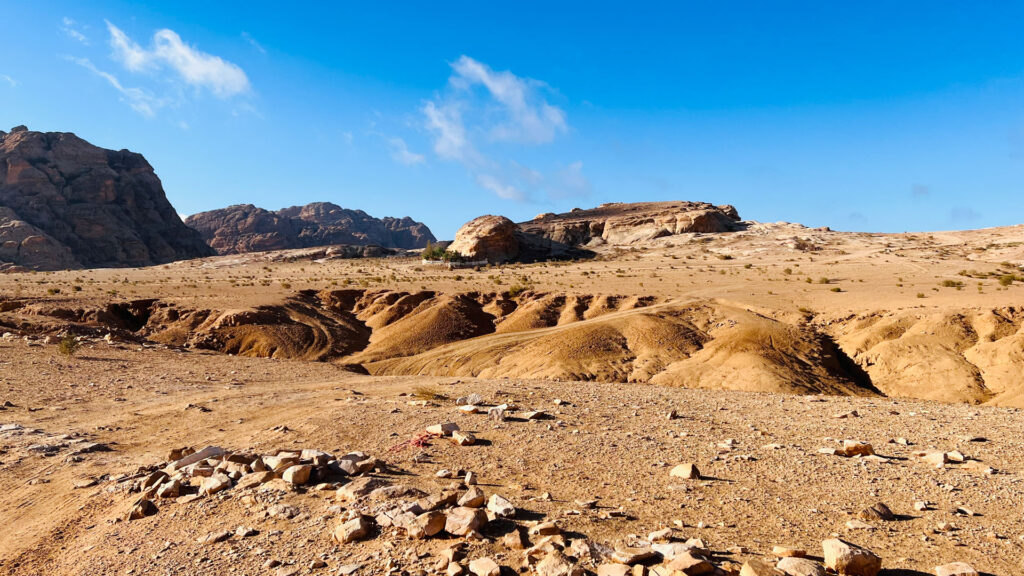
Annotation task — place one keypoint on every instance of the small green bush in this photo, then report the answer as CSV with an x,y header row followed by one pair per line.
x,y
68,345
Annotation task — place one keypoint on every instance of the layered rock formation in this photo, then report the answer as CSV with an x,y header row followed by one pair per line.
x,y
65,203
247,228
623,223
572,234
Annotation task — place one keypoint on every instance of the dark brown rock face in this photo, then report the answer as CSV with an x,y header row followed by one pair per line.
x,y
247,228
65,203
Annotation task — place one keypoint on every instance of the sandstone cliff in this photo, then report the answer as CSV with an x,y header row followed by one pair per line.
x,y
574,233
65,203
247,228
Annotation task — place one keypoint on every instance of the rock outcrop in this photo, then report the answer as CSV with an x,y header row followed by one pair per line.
x,y
622,223
574,233
491,238
247,228
65,203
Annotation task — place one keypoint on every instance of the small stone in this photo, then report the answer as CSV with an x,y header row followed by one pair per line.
x,y
246,531
955,569
461,521
472,399
936,459
352,530
500,506
298,474
631,555
360,487
355,463
877,512
920,506
214,537
514,540
670,550
214,484
849,559
800,567
141,509
557,564
545,529
687,471
484,567
444,429
430,523
463,438
171,489
757,568
254,479
663,535
857,448
473,498
788,552
690,564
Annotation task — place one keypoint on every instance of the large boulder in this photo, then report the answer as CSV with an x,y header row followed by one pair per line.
x,y
69,204
247,228
491,238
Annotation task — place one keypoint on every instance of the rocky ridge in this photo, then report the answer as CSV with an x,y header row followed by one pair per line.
x,y
246,228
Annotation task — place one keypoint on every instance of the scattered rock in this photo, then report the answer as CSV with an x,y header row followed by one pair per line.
x,y
355,529
800,567
877,512
955,569
500,506
141,509
484,567
297,474
687,471
849,559
461,521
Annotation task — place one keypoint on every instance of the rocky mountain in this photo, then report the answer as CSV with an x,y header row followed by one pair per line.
x,y
247,228
65,203
575,233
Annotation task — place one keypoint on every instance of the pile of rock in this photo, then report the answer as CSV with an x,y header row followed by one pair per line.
x,y
191,474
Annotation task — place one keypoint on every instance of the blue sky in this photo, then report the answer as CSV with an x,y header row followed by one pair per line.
x,y
861,116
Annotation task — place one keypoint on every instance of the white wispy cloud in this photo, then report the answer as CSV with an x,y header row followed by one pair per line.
x,y
252,42
483,108
400,153
450,140
192,66
14,83
140,100
499,187
70,28
529,118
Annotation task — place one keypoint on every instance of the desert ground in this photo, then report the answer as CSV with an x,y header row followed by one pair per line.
x,y
769,348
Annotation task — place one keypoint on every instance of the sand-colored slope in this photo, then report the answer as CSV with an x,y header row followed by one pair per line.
x,y
963,356
705,345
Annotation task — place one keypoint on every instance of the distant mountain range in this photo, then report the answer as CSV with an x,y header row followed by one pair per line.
x,y
247,228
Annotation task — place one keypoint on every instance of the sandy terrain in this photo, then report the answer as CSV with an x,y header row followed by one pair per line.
x,y
921,335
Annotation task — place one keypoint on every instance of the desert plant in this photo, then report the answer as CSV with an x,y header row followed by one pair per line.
x,y
428,393
68,345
